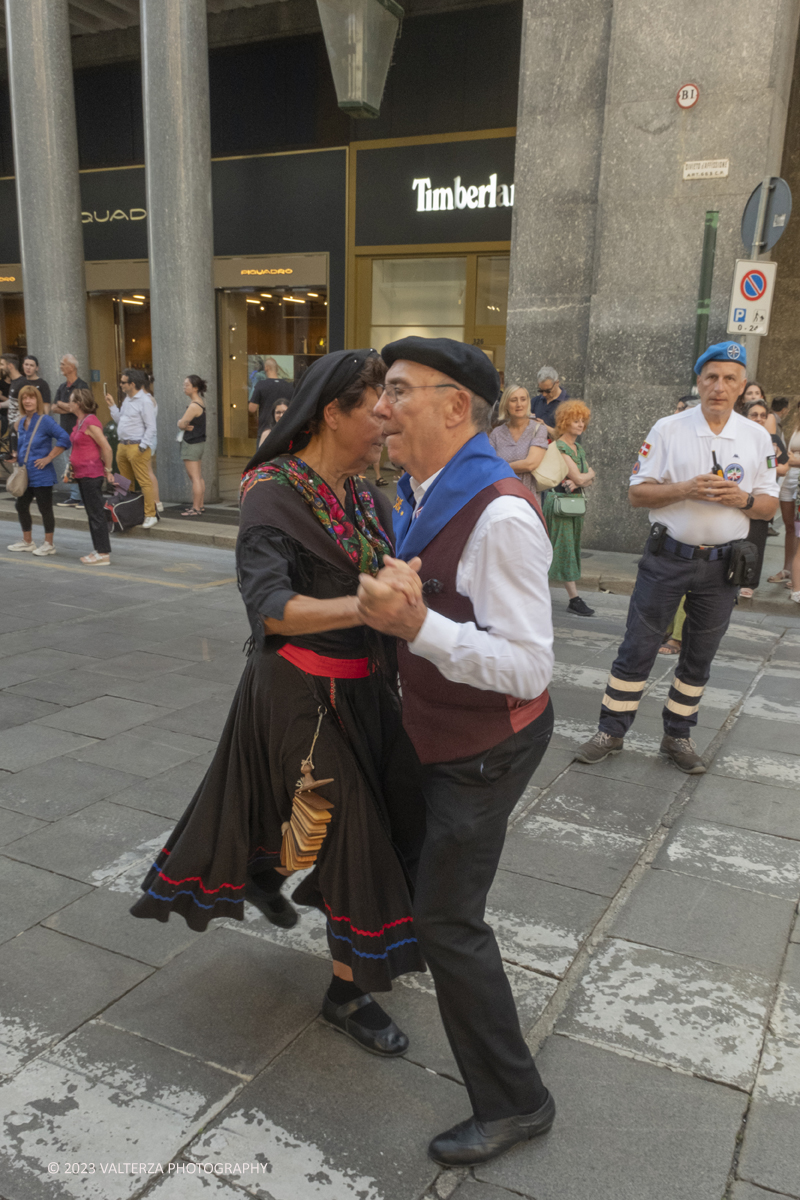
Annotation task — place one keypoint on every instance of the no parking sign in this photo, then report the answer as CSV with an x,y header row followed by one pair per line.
x,y
751,296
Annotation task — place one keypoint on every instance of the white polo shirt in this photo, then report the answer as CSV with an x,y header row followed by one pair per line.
x,y
680,447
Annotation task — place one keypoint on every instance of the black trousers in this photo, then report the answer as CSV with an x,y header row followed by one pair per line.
x,y
44,502
468,803
92,496
660,582
758,536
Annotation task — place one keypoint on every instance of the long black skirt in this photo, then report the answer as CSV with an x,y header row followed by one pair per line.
x,y
363,876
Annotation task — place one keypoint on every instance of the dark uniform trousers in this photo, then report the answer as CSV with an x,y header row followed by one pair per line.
x,y
468,805
661,581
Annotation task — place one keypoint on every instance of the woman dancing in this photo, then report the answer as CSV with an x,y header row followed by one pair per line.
x,y
318,694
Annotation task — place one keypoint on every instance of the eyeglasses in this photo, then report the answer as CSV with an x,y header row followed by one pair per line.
x,y
399,391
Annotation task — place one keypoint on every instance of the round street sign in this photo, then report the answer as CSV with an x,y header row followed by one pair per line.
x,y
754,285
688,95
776,217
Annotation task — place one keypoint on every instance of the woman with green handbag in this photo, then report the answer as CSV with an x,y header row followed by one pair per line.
x,y
565,505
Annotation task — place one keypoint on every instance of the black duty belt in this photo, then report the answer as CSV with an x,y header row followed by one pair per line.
x,y
708,552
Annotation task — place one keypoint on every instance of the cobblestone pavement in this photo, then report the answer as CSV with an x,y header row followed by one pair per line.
x,y
647,919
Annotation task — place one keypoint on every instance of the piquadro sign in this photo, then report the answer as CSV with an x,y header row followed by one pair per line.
x,y
481,195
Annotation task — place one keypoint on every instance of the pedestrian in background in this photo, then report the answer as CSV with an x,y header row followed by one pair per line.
x,y
565,527
30,366
279,410
548,398
519,438
193,442
757,411
702,474
36,433
69,369
136,428
788,502
266,394
9,363
90,464
151,466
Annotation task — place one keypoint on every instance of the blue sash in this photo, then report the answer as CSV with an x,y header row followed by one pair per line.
x,y
470,471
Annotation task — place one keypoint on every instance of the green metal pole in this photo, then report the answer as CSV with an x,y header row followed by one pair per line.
x,y
706,278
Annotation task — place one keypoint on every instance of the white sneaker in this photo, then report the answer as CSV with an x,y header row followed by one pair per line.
x,y
149,522
44,549
23,547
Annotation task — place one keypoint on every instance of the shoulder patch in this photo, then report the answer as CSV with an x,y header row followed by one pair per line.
x,y
770,461
645,450
637,466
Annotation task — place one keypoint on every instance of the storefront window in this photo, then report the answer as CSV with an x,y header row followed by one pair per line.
x,y
289,324
12,325
491,290
422,296
132,320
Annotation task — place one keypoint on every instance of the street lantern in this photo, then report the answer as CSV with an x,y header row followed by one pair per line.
x,y
359,36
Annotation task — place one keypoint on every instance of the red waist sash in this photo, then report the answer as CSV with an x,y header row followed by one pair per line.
x,y
329,668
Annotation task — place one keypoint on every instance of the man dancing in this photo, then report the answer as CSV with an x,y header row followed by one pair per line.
x,y
475,655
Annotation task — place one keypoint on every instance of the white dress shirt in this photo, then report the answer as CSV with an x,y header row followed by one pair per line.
x,y
503,571
136,420
680,447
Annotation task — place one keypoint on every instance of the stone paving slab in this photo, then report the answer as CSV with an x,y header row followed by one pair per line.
x,y
28,895
772,710
540,925
68,687
14,825
748,1191
19,710
769,1152
694,1016
138,666
775,769
650,772
26,745
473,1189
755,806
604,804
84,844
739,857
369,1146
553,763
708,920
21,667
35,1012
191,1005
144,754
79,784
166,794
173,691
219,670
577,856
765,733
206,719
103,918
624,1130
103,1098
104,717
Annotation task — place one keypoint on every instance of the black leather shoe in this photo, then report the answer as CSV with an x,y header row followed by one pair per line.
x,y
389,1042
476,1141
275,907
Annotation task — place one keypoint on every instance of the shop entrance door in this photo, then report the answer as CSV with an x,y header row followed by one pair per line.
x,y
464,297
118,327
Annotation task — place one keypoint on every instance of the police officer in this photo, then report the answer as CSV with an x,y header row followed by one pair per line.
x,y
702,474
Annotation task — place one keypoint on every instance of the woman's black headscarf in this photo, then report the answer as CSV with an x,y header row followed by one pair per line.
x,y
321,384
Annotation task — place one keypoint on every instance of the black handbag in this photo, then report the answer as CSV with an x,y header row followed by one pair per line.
x,y
124,514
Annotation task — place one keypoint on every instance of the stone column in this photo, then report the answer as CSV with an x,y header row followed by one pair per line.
x,y
650,220
562,87
178,167
47,182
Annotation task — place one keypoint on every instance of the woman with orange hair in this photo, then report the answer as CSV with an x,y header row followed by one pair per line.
x,y
564,526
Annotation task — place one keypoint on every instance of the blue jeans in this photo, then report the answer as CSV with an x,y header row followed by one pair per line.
x,y
661,581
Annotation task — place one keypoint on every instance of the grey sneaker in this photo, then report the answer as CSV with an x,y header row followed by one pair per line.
x,y
598,748
683,753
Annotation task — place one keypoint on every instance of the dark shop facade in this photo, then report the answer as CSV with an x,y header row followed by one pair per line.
x,y
328,231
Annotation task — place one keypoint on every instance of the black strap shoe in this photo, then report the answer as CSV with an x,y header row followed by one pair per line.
x,y
275,907
476,1141
389,1042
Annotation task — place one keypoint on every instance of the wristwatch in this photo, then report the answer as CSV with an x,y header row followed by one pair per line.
x,y
750,502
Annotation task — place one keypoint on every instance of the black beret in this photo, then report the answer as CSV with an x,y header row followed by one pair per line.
x,y
466,364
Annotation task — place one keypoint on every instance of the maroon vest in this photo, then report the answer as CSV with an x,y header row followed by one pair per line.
x,y
448,720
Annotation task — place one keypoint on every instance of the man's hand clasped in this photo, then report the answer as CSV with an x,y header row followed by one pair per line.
x,y
392,602
717,491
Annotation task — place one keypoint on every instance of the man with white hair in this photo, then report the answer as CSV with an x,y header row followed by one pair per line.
x,y
703,474
69,369
548,398
475,654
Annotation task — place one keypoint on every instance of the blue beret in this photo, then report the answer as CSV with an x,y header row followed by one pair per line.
x,y
722,352
466,364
